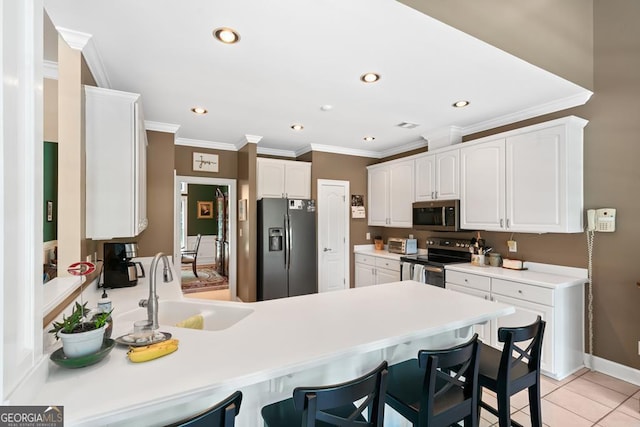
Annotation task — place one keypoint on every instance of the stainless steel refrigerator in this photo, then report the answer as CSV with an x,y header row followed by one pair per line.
x,y
286,248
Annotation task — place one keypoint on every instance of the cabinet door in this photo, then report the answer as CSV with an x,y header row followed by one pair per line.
x,y
448,175
526,313
536,181
365,275
271,178
378,191
297,183
141,221
386,276
482,186
425,178
482,329
401,194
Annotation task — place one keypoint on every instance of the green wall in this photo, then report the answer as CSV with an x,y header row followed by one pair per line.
x,y
50,190
202,193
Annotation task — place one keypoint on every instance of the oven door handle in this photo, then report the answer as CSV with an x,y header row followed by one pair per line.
x,y
433,269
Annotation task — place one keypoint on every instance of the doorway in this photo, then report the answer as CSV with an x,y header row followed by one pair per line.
x,y
333,235
213,250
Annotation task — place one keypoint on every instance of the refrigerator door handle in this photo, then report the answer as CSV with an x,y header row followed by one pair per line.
x,y
288,242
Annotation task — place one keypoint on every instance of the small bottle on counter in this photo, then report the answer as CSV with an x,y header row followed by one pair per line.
x,y
104,304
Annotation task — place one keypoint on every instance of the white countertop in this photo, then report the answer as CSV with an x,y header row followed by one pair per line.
x,y
371,250
280,337
545,275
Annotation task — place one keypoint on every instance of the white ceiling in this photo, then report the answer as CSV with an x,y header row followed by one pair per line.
x,y
295,56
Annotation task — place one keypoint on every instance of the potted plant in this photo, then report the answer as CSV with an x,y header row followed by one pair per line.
x,y
81,335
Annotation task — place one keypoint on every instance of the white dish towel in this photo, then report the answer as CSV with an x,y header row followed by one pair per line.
x,y
418,273
406,271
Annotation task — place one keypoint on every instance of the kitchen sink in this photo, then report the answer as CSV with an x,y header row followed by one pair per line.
x,y
216,316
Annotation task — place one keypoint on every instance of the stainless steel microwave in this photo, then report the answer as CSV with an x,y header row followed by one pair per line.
x,y
440,215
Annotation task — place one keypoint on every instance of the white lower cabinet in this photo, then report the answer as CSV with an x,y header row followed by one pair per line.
x,y
372,270
560,306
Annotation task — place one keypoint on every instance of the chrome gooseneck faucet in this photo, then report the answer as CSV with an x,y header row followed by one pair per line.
x,y
152,302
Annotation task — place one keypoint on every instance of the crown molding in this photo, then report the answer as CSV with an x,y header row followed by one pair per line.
x,y
248,139
528,113
199,143
346,151
403,148
277,152
50,70
84,43
161,127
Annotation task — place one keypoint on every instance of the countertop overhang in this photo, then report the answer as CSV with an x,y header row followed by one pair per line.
x,y
279,338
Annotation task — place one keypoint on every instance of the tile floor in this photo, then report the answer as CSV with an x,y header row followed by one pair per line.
x,y
586,398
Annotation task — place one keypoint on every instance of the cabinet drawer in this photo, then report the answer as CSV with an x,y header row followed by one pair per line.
x,y
365,259
482,283
523,291
389,264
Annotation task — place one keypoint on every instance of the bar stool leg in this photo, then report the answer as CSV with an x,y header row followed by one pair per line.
x,y
535,405
504,408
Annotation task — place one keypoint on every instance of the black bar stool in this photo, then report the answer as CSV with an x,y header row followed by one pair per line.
x,y
334,404
515,368
222,414
438,389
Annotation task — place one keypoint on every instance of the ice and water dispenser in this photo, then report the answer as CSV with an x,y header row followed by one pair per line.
x,y
275,239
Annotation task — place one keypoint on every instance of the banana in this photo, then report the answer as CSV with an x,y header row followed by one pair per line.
x,y
154,351
172,341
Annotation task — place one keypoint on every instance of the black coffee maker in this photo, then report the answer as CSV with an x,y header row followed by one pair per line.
x,y
119,270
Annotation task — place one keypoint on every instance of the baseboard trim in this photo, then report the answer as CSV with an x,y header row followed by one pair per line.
x,y
614,369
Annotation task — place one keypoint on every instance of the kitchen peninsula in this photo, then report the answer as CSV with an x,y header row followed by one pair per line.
x,y
282,343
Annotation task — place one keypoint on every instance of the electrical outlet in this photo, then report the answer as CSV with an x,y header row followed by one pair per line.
x,y
368,236
638,348
513,245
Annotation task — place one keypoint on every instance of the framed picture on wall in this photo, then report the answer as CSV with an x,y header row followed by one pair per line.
x,y
205,209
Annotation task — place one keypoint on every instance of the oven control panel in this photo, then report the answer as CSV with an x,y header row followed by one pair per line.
x,y
454,244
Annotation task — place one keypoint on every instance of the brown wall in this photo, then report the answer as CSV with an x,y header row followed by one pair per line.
x,y
227,162
247,230
344,168
158,237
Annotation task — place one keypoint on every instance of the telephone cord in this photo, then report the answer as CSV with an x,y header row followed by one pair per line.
x,y
590,238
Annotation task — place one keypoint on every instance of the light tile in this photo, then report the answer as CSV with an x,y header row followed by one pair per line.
x,y
489,398
619,419
630,407
524,418
485,423
547,385
611,382
605,396
556,416
566,380
520,400
578,404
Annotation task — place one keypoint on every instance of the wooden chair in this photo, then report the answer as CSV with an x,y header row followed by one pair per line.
x,y
222,414
438,389
515,368
333,405
191,256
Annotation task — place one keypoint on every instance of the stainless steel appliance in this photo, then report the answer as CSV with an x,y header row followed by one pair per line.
x,y
429,268
400,245
118,270
441,215
286,248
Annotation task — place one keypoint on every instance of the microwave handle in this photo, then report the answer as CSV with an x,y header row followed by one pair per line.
x,y
444,216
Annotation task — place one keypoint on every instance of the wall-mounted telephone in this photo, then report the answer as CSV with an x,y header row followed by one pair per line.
x,y
601,219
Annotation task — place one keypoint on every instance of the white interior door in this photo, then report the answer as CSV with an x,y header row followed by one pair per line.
x,y
333,235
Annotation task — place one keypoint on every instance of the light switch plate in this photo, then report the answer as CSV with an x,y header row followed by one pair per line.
x,y
368,236
513,245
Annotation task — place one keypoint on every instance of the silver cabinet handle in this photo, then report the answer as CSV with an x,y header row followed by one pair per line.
x,y
436,194
501,223
508,223
433,195
326,249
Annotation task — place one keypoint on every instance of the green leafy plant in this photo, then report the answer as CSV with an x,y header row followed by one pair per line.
x,y
77,321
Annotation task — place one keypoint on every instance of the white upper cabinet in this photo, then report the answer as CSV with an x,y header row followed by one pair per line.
x,y
391,193
437,176
116,171
526,180
283,178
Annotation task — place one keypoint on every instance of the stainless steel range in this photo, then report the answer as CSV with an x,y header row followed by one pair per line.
x,y
429,268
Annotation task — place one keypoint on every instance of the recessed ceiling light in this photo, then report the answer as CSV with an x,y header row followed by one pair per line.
x,y
226,35
297,127
199,110
370,77
369,138
407,125
326,107
460,104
